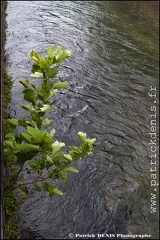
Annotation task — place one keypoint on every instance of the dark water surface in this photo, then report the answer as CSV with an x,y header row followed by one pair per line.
x,y
114,65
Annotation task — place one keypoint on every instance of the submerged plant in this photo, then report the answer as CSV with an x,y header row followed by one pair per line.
x,y
35,149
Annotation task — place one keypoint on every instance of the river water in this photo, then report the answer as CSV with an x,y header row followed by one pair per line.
x,y
113,66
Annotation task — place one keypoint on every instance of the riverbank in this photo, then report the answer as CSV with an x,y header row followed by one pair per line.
x,y
6,80
9,205
112,69
3,37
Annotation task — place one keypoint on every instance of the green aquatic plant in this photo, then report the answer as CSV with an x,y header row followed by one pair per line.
x,y
35,150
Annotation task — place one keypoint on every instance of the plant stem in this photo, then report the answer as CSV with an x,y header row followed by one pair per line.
x,y
40,180
16,177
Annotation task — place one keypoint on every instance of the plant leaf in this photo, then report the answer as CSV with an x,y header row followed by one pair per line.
x,y
28,108
30,96
36,68
52,132
47,139
68,157
57,191
46,122
45,108
9,144
25,82
42,61
21,157
26,137
26,147
34,56
63,54
52,92
60,85
71,169
56,146
23,123
37,75
51,72
36,133
25,196
10,135
49,159
38,188
13,122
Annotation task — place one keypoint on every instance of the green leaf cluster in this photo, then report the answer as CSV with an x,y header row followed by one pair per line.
x,y
43,66
35,146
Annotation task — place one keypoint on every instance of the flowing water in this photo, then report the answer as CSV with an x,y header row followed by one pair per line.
x,y
114,65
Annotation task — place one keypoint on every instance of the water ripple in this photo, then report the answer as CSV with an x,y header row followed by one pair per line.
x,y
113,65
